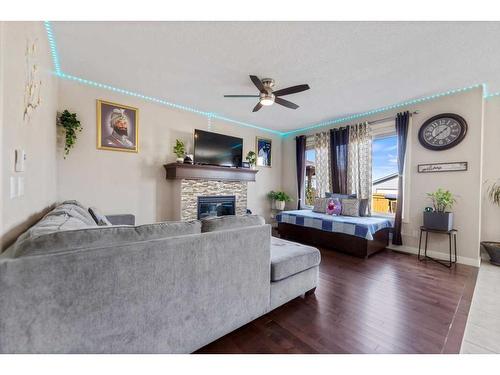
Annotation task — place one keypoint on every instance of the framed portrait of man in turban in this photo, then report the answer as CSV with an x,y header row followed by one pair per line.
x,y
117,127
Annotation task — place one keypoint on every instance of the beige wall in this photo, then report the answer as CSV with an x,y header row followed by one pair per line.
x,y
37,138
491,169
121,182
466,185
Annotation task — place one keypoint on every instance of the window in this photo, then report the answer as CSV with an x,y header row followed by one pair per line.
x,y
384,173
310,177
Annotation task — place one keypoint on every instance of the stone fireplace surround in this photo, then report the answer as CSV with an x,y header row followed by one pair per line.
x,y
188,182
190,190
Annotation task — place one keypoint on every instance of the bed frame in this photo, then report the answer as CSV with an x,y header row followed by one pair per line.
x,y
345,243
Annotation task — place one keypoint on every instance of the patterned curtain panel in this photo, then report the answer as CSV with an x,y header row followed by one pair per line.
x,y
359,162
323,177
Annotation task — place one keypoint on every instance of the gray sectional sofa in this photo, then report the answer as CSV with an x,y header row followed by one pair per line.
x,y
68,285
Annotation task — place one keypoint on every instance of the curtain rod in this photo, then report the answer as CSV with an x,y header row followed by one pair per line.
x,y
388,118
380,120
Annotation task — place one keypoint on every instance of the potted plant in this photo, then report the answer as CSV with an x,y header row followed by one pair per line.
x,y
493,248
251,158
179,150
71,126
279,198
440,218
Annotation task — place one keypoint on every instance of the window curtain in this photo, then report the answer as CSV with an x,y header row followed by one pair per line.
x,y
402,122
359,163
301,156
322,148
339,139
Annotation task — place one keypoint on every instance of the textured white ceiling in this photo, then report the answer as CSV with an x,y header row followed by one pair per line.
x,y
351,66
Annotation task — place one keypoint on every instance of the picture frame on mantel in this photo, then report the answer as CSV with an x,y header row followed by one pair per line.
x,y
458,166
263,149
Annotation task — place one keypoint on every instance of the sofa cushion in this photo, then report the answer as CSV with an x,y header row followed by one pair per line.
x,y
95,237
214,224
289,258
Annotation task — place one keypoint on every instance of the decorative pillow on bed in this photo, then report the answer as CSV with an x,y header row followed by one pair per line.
x,y
334,207
350,207
320,205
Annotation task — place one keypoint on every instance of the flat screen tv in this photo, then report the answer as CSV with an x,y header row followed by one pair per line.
x,y
217,149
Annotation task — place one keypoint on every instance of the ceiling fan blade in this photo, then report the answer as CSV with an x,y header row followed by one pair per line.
x,y
241,96
257,82
257,107
291,90
285,103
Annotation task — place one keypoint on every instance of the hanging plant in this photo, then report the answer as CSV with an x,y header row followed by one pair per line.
x,y
71,126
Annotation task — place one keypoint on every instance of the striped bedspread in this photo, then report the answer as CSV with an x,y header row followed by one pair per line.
x,y
364,227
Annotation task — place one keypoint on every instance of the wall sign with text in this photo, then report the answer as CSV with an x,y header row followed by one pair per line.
x,y
443,167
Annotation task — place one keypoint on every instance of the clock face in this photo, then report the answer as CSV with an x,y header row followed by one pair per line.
x,y
442,132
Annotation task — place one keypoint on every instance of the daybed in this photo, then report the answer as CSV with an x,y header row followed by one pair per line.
x,y
358,236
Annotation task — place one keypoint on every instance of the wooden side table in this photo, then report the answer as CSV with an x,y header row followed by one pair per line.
x,y
452,235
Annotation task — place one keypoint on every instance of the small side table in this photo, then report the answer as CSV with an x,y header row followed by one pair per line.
x,y
452,235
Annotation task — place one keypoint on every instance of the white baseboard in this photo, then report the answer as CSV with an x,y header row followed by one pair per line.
x,y
435,254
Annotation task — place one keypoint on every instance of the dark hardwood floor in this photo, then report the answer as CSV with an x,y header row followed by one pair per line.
x,y
390,303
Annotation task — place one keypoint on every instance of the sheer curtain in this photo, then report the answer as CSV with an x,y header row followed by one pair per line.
x,y
323,164
359,162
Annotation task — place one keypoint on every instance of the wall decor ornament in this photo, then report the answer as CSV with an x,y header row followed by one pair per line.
x,y
32,98
443,167
117,127
263,149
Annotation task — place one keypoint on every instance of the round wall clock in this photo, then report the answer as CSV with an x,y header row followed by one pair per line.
x,y
442,132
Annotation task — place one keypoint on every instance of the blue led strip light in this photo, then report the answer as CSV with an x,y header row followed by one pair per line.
x,y
383,109
212,115
53,47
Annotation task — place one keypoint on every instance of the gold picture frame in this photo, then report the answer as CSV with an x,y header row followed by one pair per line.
x,y
264,152
107,136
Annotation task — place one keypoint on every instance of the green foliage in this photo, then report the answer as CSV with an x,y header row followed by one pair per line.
x,y
279,196
71,126
310,195
494,193
179,148
251,157
442,200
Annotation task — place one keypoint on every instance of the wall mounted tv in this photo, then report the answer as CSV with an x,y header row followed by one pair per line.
x,y
217,149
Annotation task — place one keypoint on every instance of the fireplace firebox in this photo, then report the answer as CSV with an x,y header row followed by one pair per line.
x,y
219,205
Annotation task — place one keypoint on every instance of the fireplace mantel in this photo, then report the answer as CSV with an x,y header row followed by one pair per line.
x,y
179,171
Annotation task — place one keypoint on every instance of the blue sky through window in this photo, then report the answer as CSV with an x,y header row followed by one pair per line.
x,y
384,154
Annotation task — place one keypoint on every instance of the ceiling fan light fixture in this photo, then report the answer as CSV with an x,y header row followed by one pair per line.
x,y
266,99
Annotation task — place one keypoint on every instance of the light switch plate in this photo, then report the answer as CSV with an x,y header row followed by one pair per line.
x,y
20,186
13,187
20,157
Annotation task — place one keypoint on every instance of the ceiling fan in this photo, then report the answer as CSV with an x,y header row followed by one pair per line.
x,y
267,96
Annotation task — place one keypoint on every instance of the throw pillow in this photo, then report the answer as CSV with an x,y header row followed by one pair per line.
x,y
320,205
337,209
99,218
350,207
